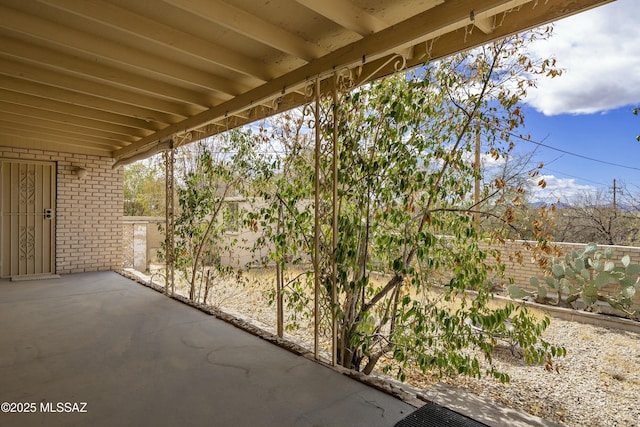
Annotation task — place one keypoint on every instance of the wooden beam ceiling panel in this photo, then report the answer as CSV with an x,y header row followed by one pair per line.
x,y
97,70
72,121
251,26
43,136
159,109
10,139
424,26
347,15
74,110
46,133
83,100
164,36
19,22
127,75
54,127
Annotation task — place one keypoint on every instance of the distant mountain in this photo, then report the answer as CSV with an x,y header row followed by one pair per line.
x,y
561,205
537,205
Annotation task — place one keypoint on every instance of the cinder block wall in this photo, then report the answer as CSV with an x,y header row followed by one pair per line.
x,y
88,211
523,271
240,256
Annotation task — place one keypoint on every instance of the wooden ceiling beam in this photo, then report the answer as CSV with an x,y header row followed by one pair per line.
x,y
47,133
35,132
65,56
486,25
55,127
59,117
10,139
95,46
429,24
65,63
158,109
164,36
73,111
251,26
443,21
347,15
80,100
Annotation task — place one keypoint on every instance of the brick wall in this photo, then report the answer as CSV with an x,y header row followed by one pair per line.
x,y
240,256
88,211
522,271
517,259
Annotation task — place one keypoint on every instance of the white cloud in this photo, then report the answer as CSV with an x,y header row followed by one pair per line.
x,y
558,189
600,55
486,160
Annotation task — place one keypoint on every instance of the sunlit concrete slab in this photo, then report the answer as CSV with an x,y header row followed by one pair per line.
x,y
115,353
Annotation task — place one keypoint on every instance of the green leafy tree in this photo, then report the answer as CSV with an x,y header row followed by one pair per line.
x,y
286,214
216,172
405,210
144,189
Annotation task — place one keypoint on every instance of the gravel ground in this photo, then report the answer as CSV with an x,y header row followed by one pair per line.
x,y
596,384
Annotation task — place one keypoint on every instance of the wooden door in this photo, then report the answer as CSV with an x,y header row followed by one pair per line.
x,y
27,216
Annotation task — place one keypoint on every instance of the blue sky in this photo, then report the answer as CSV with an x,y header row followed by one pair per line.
x,y
608,137
588,110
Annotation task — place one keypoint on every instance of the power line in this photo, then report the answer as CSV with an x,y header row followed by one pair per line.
x,y
574,154
573,176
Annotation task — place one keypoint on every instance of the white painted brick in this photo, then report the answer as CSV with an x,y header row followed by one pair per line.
x,y
88,212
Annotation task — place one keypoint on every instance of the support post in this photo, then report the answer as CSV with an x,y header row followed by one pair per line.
x,y
279,285
169,160
334,234
316,226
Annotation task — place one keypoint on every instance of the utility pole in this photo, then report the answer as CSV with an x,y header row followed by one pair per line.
x,y
615,204
476,198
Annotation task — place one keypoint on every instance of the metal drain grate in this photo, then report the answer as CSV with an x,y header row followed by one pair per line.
x,y
432,415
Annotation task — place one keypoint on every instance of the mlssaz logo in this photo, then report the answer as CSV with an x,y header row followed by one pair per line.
x,y
66,407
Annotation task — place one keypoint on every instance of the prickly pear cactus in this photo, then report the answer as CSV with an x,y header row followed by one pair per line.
x,y
583,275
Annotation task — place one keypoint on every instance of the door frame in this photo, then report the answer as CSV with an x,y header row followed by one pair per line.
x,y
41,183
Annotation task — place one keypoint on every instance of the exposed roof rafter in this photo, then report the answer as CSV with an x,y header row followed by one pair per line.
x,y
252,26
122,76
164,36
346,14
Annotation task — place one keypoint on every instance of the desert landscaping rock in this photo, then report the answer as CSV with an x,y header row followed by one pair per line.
x,y
597,383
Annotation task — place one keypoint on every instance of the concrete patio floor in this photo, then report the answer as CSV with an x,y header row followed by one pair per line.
x,y
137,358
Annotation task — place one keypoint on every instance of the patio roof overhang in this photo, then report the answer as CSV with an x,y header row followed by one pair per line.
x,y
119,78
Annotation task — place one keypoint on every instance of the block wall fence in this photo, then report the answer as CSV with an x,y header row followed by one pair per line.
x,y
88,210
142,239
522,272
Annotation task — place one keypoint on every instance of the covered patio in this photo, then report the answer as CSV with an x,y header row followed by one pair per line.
x,y
101,349
87,87
138,358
